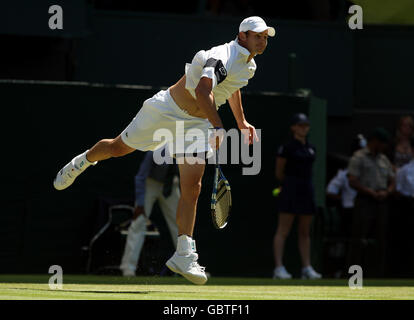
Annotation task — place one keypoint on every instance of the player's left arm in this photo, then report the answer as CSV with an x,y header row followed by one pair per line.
x,y
246,128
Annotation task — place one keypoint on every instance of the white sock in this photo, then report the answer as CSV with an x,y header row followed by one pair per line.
x,y
185,245
80,162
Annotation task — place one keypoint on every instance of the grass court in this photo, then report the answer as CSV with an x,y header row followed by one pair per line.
x,y
92,287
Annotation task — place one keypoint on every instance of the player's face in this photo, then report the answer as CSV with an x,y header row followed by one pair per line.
x,y
381,146
301,129
256,42
407,127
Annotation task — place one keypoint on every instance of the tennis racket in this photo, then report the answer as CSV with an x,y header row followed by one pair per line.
x,y
220,198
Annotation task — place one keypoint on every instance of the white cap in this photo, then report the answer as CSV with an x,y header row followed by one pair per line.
x,y
256,24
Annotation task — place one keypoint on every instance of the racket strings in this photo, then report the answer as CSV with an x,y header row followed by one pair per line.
x,y
223,204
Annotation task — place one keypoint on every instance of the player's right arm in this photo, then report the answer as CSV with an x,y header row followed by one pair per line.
x,y
281,159
205,101
280,168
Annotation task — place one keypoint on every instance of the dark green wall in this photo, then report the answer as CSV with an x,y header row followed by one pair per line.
x,y
48,124
26,17
145,49
384,68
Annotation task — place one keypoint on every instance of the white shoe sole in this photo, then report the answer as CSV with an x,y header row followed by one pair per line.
x,y
58,185
310,278
190,277
281,278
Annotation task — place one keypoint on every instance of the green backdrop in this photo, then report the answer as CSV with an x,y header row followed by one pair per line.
x,y
49,123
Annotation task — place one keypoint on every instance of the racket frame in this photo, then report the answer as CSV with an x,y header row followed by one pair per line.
x,y
219,174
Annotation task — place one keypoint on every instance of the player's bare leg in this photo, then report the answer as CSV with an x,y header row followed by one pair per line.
x,y
184,260
104,149
283,228
304,226
108,148
304,239
190,183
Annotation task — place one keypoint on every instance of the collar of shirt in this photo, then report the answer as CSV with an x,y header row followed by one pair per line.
x,y
368,152
410,165
241,49
299,143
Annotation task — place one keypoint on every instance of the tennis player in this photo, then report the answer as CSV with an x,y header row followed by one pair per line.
x,y
212,78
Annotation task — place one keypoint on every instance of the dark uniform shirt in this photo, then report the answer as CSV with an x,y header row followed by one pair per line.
x,y
299,158
297,195
372,171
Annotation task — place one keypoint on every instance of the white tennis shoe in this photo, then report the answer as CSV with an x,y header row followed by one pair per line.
x,y
310,273
128,273
188,267
281,273
69,172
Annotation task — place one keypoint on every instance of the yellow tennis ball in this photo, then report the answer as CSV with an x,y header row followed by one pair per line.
x,y
276,192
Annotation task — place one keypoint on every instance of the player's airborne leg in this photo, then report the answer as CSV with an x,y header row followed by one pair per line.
x,y
104,149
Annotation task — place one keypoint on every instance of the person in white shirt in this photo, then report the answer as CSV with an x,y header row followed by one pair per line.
x,y
405,177
213,77
340,185
403,221
338,189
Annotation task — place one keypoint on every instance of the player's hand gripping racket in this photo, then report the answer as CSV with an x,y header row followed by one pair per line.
x,y
220,198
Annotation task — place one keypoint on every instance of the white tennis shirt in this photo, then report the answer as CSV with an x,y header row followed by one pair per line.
x,y
405,179
340,184
226,65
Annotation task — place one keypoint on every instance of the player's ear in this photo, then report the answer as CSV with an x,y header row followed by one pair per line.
x,y
242,36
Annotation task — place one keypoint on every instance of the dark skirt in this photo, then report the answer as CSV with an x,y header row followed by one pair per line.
x,y
297,196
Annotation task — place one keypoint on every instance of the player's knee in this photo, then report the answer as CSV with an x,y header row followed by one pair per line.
x,y
283,233
303,233
191,190
118,149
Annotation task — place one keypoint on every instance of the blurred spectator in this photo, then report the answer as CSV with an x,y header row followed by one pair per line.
x,y
152,183
401,151
213,7
318,10
340,191
370,173
296,199
403,223
160,6
231,7
405,177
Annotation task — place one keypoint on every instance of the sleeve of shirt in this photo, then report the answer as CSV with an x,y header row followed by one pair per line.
x,y
391,173
314,151
283,151
214,66
399,181
354,167
336,184
140,178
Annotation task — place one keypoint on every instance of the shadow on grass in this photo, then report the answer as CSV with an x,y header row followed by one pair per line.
x,y
218,281
81,291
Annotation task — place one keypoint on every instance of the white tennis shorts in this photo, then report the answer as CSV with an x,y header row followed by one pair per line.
x,y
162,121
